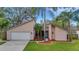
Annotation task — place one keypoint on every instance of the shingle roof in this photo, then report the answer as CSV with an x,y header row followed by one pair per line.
x,y
21,24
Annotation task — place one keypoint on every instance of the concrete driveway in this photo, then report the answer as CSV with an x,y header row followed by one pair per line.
x,y
13,46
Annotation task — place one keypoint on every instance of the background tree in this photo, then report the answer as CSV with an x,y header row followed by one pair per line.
x,y
38,29
66,17
76,17
17,15
60,21
4,23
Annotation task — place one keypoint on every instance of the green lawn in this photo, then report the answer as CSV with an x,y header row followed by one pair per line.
x,y
55,46
2,41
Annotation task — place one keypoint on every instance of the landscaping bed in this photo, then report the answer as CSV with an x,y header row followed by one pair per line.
x,y
53,46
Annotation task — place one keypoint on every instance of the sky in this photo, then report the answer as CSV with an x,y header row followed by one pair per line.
x,y
48,16
56,13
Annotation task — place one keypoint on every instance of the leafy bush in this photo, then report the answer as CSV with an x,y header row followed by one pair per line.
x,y
74,36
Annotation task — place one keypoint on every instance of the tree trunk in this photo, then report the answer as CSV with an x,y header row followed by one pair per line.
x,y
63,24
45,25
69,32
1,34
38,35
78,25
41,35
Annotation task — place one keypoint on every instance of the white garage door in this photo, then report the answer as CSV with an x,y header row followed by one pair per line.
x,y
20,36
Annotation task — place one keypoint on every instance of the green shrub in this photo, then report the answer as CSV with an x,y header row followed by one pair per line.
x,y
2,36
74,36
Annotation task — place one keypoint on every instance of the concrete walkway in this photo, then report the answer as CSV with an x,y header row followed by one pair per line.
x,y
13,46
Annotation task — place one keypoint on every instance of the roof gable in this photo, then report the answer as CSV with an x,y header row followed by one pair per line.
x,y
21,24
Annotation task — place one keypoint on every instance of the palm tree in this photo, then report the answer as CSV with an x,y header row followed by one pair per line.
x,y
60,21
42,11
38,28
67,18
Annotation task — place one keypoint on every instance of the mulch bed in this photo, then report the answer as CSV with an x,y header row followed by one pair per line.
x,y
45,42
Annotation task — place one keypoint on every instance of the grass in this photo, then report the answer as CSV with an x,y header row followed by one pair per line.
x,y
2,41
55,46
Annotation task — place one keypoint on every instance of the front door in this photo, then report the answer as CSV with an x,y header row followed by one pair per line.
x,y
53,35
46,34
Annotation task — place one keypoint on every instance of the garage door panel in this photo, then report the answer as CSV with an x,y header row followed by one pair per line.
x,y
20,36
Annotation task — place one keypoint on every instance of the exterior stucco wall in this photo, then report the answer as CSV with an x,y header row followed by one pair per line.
x,y
77,32
28,27
51,32
60,34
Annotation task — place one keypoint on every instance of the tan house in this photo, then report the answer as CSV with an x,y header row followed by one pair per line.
x,y
26,32
56,33
77,32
